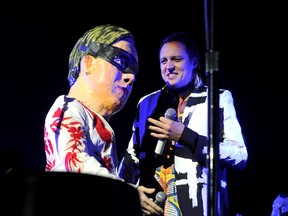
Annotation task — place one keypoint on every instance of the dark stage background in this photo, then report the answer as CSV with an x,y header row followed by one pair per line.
x,y
36,42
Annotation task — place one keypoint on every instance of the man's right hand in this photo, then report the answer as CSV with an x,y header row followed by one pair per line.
x,y
149,207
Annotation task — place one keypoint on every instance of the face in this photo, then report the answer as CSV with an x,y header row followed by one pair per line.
x,y
109,84
174,55
280,205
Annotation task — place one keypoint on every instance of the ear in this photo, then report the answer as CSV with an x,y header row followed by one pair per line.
x,y
86,62
195,62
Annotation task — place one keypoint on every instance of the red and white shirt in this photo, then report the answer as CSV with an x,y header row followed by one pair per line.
x,y
77,139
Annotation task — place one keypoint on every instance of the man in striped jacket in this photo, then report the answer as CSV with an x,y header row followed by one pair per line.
x,y
181,170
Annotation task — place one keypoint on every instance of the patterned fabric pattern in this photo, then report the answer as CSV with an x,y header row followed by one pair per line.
x,y
72,141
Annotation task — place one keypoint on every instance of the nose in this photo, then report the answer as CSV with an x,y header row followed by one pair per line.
x,y
129,78
171,69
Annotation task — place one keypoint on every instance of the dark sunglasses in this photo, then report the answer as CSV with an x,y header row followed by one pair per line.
x,y
120,58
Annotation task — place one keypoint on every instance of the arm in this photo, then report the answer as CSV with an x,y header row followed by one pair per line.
x,y
129,166
232,148
233,151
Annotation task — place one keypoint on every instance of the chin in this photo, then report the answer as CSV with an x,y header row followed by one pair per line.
x,y
172,85
120,105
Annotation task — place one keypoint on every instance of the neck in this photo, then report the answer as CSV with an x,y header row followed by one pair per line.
x,y
185,90
89,101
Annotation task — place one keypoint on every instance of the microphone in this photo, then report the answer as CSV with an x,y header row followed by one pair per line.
x,y
171,114
160,198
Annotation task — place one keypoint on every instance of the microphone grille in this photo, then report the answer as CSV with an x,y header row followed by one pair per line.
x,y
160,197
170,113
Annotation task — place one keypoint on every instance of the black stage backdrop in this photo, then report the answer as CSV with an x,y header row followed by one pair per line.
x,y
36,41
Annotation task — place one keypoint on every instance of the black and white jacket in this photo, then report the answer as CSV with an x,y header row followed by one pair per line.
x,y
191,171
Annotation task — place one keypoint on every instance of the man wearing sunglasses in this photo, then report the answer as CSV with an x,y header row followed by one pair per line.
x,y
77,134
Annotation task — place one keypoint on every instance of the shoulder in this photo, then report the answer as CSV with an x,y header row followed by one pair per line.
x,y
151,96
225,97
225,93
69,106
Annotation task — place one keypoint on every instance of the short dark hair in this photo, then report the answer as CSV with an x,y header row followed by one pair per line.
x,y
283,194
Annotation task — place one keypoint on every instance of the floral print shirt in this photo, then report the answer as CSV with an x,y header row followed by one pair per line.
x,y
77,139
